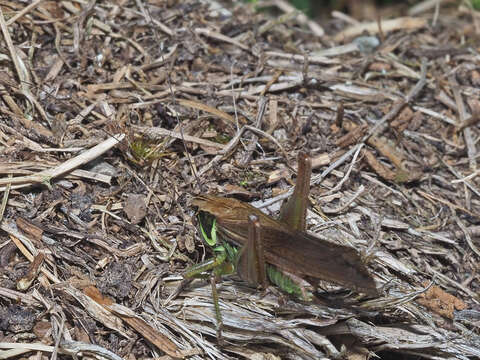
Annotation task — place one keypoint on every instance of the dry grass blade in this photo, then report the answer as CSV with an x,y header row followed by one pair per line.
x,y
155,337
44,177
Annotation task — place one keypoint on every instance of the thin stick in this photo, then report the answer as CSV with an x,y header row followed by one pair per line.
x,y
24,11
5,198
11,48
466,233
46,175
381,126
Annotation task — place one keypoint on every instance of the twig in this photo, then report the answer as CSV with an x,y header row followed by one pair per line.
x,y
5,198
24,11
381,126
262,105
217,36
11,48
462,114
314,180
157,132
340,183
345,205
466,233
46,175
234,141
461,179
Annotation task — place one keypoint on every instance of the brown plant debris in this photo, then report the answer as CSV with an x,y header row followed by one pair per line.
x,y
115,114
441,302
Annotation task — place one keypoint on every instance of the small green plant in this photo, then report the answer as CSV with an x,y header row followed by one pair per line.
x,y
144,152
303,5
475,4
247,177
222,138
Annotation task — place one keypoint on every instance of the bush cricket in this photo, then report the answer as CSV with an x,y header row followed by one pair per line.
x,y
262,249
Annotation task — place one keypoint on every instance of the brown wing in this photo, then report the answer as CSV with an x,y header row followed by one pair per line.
x,y
306,255
294,251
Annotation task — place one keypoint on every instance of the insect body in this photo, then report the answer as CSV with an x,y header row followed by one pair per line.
x,y
290,250
280,248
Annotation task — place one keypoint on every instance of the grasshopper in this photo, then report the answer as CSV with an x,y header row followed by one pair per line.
x,y
262,249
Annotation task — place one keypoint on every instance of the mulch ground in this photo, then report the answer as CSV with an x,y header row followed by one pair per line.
x,y
115,114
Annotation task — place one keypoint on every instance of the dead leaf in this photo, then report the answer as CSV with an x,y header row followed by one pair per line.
x,y
135,208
